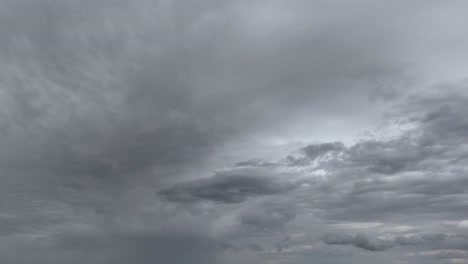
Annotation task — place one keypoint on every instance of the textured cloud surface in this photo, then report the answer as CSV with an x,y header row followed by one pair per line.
x,y
170,131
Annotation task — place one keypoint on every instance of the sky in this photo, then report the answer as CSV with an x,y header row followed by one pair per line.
x,y
228,132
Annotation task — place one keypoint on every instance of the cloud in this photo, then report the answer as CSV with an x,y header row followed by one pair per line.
x,y
416,173
268,217
255,247
370,243
225,188
113,247
111,111
360,240
415,242
338,239
316,152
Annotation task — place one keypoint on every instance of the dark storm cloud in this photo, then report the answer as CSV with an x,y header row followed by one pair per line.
x,y
111,89
227,188
162,63
317,152
115,88
108,106
85,96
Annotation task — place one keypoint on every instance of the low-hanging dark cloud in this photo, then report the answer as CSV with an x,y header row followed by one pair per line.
x,y
226,188
113,113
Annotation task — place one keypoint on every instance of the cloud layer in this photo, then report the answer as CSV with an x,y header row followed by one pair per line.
x,y
233,131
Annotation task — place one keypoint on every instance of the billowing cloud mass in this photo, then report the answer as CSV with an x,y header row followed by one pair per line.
x,y
170,131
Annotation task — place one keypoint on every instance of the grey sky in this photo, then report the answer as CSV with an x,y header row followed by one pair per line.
x,y
259,131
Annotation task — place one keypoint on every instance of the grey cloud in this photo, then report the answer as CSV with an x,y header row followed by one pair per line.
x,y
338,239
117,93
229,188
282,243
101,99
255,247
238,247
114,247
359,240
256,163
420,172
370,243
317,150
451,255
411,178
268,216
85,99
389,81
457,242
384,157
412,241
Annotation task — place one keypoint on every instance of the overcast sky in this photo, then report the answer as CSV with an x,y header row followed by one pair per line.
x,y
233,131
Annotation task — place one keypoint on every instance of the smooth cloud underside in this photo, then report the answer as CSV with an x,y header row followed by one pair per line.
x,y
224,132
